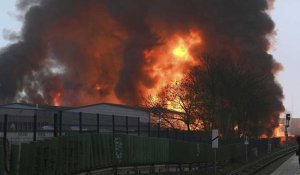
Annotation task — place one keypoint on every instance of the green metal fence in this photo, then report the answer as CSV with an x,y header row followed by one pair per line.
x,y
1,160
79,153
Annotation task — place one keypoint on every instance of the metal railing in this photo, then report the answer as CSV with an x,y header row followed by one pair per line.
x,y
25,125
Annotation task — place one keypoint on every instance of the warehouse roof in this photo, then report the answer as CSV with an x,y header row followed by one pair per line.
x,y
33,106
49,107
116,105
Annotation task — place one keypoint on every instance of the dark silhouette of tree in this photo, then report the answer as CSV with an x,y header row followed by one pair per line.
x,y
236,99
176,103
226,94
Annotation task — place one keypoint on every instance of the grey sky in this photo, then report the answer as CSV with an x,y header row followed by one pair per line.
x,y
287,18
8,20
286,15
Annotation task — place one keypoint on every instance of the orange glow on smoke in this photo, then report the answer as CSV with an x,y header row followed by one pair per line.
x,y
57,99
172,61
263,136
98,87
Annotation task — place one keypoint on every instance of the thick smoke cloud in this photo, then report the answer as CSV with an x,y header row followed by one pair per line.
x,y
76,46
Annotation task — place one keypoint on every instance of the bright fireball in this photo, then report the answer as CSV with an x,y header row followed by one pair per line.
x,y
181,51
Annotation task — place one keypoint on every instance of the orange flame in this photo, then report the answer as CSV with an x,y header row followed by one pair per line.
x,y
57,99
168,63
279,132
172,61
263,136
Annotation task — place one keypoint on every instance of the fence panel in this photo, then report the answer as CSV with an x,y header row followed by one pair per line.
x,y
144,129
1,160
83,152
154,130
69,123
89,122
19,124
193,152
45,124
106,123
120,124
1,124
132,125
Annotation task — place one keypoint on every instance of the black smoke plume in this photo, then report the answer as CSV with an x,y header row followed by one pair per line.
x,y
71,46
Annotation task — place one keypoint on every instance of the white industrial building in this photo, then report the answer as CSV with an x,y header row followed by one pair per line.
x,y
100,108
20,119
114,109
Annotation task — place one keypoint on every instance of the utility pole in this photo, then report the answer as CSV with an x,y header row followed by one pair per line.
x,y
246,145
215,145
287,124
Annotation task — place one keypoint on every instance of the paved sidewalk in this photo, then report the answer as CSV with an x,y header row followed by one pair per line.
x,y
289,167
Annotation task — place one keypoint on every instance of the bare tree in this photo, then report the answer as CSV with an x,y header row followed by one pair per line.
x,y
223,93
176,105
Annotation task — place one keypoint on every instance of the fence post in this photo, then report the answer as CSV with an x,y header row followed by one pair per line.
x,y
139,126
113,124
60,123
98,123
55,125
80,122
127,128
34,125
5,129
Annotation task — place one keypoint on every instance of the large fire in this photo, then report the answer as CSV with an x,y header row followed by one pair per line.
x,y
173,61
78,52
170,61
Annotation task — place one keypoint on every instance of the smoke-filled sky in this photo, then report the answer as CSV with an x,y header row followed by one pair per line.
x,y
285,15
287,18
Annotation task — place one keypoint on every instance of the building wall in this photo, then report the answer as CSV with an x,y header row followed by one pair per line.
x,y
107,109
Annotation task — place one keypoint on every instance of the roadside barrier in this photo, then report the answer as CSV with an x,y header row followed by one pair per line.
x,y
84,152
